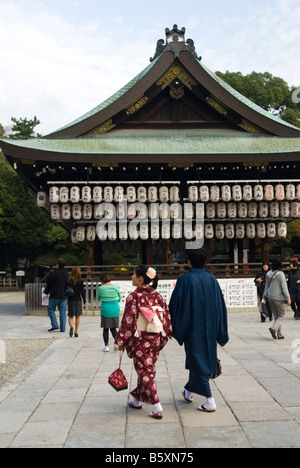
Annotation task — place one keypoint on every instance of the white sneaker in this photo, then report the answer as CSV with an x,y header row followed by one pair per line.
x,y
106,349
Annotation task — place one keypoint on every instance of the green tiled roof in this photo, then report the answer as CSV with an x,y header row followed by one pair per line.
x,y
189,141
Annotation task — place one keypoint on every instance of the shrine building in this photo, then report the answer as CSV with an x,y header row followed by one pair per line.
x,y
175,143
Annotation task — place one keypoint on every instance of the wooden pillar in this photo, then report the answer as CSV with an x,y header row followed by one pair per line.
x,y
147,252
207,246
265,250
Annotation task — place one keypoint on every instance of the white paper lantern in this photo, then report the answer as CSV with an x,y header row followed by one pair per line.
x,y
73,236
121,211
271,230
76,211
112,232
177,231
87,211
221,210
166,231
101,231
153,210
247,193
91,233
279,192
282,230
295,209
284,209
86,194
131,194
237,193
232,210
123,232
42,199
131,211
133,232
155,231
97,194
109,211
263,210
240,231
252,210
108,194
163,194
199,231
209,231
258,192
188,211
274,209
210,210
142,210
226,193
152,194
220,231
118,194
290,192
250,230
80,233
200,211
75,194
193,193
164,211
54,195
298,192
174,194
55,212
64,194
144,231
142,194
188,231
214,193
269,192
204,193
261,230
229,231
242,210
66,211
175,211
99,211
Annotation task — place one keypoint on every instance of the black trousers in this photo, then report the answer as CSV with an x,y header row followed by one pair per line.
x,y
106,334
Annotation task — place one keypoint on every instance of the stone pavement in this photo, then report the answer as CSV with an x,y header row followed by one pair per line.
x,y
63,399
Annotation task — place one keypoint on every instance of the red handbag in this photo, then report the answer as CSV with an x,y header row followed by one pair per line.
x,y
117,379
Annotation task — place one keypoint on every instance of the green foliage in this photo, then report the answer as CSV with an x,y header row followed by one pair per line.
x,y
23,129
267,91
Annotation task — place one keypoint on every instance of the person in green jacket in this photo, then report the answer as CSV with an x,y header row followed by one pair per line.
x,y
110,296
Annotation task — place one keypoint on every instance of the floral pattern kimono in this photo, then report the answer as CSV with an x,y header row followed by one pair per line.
x,y
144,347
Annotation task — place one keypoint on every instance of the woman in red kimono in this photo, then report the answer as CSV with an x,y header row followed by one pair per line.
x,y
144,306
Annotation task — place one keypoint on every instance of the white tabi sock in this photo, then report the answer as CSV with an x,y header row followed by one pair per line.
x,y
157,408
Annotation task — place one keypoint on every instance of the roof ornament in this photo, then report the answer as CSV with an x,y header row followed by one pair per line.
x,y
176,36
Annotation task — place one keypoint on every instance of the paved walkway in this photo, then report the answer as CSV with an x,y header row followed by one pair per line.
x,y
63,399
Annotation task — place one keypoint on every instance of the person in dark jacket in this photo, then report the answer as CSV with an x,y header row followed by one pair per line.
x,y
56,285
294,288
75,301
260,283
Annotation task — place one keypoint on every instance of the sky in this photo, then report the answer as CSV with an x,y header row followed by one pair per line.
x,y
60,59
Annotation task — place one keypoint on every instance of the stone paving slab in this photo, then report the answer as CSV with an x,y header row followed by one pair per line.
x,y
62,399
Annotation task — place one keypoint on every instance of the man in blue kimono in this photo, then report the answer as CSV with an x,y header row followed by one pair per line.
x,y
199,319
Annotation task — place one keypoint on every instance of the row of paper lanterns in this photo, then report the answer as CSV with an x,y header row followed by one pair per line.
x,y
210,210
177,231
152,194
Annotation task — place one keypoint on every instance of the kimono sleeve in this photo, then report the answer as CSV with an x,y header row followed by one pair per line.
x,y
222,327
180,311
128,325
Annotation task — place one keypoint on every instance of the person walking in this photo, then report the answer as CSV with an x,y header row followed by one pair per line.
x,y
110,296
56,286
276,291
260,283
75,301
294,288
144,332
199,319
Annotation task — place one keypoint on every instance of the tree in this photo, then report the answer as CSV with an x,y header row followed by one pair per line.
x,y
24,129
267,91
